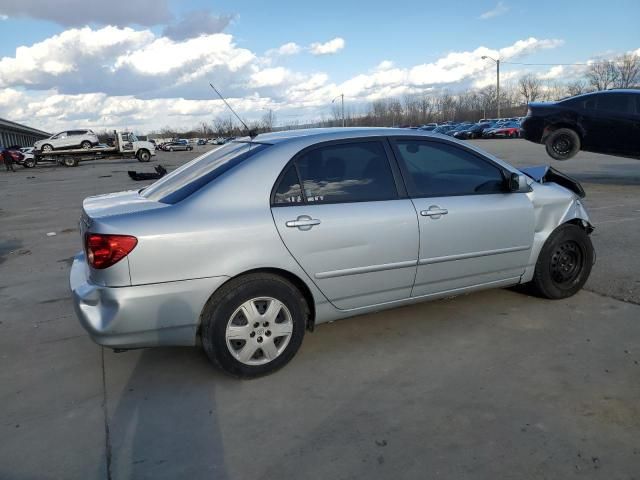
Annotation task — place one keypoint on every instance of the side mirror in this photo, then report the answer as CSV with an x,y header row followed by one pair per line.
x,y
517,183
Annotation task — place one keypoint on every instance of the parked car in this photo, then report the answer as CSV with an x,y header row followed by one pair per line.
x,y
28,160
251,244
443,129
458,128
16,154
474,131
176,146
600,122
429,127
507,130
67,140
202,141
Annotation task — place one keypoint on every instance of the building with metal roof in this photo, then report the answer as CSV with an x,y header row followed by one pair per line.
x,y
12,133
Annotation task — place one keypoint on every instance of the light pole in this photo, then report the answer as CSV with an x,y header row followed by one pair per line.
x,y
342,100
484,57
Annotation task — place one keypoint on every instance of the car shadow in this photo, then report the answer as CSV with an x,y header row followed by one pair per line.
x,y
162,420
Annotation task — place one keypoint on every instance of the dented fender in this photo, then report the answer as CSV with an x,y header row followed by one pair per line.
x,y
556,200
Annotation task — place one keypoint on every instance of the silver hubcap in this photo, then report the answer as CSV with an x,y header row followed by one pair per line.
x,y
259,331
46,148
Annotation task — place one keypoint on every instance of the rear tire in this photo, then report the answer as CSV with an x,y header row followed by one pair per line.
x,y
562,144
223,317
71,162
86,145
564,263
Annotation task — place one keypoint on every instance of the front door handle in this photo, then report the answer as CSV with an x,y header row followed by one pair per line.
x,y
434,212
303,222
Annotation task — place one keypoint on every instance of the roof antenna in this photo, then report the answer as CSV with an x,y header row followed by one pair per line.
x,y
252,133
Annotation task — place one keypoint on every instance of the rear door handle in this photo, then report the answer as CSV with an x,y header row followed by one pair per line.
x,y
303,222
434,212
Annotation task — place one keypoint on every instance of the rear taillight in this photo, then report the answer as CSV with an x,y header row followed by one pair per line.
x,y
106,250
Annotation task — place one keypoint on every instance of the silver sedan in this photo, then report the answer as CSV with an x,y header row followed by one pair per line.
x,y
248,246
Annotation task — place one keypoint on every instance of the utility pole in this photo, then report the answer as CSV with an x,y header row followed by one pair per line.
x,y
484,57
342,102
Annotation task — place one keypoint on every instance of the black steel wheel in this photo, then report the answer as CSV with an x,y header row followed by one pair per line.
x,y
562,144
564,263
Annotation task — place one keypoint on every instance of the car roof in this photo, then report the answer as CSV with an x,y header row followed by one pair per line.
x,y
314,135
633,91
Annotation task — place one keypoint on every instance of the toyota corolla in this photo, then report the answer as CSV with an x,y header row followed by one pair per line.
x,y
248,246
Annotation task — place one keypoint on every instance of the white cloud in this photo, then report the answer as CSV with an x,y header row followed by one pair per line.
x,y
327,48
385,65
553,73
500,9
120,77
4,17
66,52
269,77
289,48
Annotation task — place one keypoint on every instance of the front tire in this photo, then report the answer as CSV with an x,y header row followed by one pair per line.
x,y
254,325
562,144
29,163
46,148
144,156
564,263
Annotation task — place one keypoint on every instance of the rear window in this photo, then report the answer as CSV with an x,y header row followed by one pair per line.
x,y
194,175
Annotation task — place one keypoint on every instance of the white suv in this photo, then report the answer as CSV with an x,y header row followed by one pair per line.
x,y
68,139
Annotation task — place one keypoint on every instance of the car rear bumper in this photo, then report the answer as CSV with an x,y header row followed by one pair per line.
x,y
143,315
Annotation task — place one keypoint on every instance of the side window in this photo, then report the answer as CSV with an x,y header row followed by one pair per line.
x,y
612,102
62,135
437,169
349,172
288,191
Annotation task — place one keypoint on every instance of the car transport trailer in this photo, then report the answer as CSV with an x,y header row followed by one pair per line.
x,y
125,145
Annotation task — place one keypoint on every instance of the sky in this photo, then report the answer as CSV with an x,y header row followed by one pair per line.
x,y
147,64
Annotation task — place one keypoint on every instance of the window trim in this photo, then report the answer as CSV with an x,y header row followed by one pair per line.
x,y
398,181
405,173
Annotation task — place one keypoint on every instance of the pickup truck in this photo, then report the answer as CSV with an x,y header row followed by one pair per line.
x,y
125,145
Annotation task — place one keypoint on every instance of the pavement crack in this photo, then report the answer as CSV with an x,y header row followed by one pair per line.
x,y
105,410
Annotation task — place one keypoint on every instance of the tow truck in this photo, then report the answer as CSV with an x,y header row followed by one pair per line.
x,y
125,145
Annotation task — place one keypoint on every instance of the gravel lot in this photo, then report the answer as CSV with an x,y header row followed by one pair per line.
x,y
493,385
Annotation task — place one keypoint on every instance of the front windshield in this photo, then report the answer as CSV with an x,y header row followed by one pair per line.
x,y
192,176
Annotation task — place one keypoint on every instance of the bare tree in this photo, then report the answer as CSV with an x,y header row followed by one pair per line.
x,y
602,75
628,71
268,121
529,86
576,88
